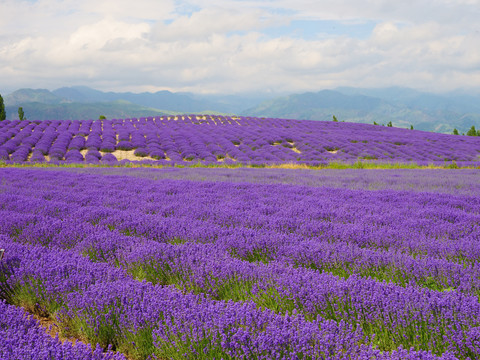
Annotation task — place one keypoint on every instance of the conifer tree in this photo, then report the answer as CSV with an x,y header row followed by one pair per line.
x,y
455,132
21,114
3,115
472,131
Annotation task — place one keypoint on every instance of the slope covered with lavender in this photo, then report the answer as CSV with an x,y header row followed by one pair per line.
x,y
143,263
230,140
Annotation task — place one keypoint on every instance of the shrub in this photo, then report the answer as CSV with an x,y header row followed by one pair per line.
x,y
141,152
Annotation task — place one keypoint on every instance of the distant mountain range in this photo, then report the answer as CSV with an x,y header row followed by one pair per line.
x,y
402,106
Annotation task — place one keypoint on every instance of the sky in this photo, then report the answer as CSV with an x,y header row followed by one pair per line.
x,y
239,46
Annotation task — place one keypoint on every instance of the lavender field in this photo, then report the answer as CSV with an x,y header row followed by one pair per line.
x,y
244,263
207,140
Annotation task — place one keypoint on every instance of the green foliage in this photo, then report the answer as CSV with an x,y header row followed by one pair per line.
x,y
455,132
7,291
138,344
21,114
106,150
472,131
28,293
335,118
452,165
102,117
105,330
263,255
389,124
411,127
375,123
194,164
368,157
3,115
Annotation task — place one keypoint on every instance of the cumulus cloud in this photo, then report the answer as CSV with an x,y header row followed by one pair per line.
x,y
234,46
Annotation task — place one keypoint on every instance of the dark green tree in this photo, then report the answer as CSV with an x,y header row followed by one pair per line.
x,y
411,127
3,115
21,114
472,131
389,124
375,123
335,118
455,132
102,117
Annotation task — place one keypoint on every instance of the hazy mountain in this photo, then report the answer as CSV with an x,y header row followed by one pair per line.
x,y
32,95
454,101
182,102
70,111
403,107
83,103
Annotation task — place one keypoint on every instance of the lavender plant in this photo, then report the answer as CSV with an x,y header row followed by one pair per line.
x,y
210,139
262,266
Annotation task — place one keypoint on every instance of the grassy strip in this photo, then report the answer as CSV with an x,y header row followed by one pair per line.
x,y
331,165
138,343
269,295
218,289
344,269
388,273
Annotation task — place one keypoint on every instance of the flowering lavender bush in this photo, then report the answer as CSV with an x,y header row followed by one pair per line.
x,y
21,337
219,139
267,264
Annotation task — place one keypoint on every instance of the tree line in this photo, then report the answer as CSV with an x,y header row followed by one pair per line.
x,y
471,132
3,114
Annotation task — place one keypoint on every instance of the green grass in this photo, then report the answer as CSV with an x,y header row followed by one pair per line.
x,y
162,272
388,273
409,331
195,164
263,255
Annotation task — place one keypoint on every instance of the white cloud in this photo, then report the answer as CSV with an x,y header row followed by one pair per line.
x,y
107,31
221,45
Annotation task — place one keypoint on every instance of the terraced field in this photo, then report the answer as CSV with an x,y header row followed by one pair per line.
x,y
227,140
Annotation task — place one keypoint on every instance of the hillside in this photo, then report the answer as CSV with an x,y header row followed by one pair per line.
x,y
73,110
80,102
160,100
403,107
218,139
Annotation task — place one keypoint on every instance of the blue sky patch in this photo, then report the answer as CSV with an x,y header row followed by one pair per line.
x,y
314,29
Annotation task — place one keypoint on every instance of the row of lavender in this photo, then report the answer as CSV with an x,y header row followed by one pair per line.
x,y
253,271
212,139
454,181
21,337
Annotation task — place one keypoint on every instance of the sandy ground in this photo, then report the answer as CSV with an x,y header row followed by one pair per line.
x,y
128,155
294,149
52,329
227,157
